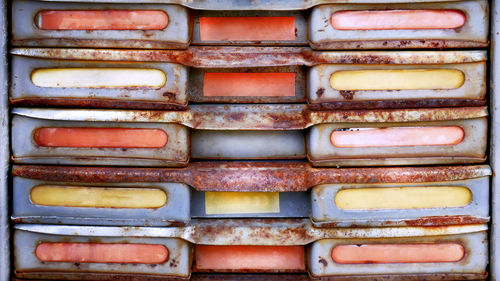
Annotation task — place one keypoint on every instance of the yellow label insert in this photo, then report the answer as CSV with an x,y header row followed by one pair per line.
x,y
241,202
99,78
98,197
403,197
402,79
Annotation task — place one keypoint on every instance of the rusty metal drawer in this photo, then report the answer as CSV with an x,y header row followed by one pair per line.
x,y
454,195
368,27
52,136
239,246
161,26
37,253
335,80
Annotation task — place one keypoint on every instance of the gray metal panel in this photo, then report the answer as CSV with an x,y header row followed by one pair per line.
x,y
5,269
292,205
495,140
325,211
175,210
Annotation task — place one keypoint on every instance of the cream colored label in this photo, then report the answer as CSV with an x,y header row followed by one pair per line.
x,y
98,78
241,202
98,197
404,79
403,197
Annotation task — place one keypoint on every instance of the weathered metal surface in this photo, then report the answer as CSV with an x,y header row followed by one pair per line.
x,y
5,261
474,261
472,149
176,210
473,34
253,4
299,20
172,95
255,116
176,35
177,265
232,57
25,150
326,212
321,92
252,231
252,176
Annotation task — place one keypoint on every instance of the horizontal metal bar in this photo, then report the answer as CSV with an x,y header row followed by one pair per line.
x,y
225,57
254,117
252,176
251,231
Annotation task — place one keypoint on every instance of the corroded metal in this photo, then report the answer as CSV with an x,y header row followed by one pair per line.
x,y
254,117
251,176
230,57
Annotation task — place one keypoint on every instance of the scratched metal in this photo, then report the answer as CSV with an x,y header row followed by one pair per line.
x,y
26,150
255,231
172,95
237,5
25,260
473,90
248,145
177,34
175,211
325,213
218,57
276,176
300,28
472,149
475,260
254,116
474,33
494,140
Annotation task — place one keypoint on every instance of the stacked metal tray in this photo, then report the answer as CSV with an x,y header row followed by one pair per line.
x,y
241,140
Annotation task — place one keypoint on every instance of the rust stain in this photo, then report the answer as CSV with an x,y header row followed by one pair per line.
x,y
348,95
386,104
97,103
445,220
251,176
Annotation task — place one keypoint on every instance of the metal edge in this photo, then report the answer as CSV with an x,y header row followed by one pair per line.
x,y
494,140
5,269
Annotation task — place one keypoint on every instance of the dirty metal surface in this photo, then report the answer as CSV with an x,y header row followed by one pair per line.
x,y
254,116
5,262
327,213
474,261
251,231
231,57
252,176
473,34
176,35
175,211
276,5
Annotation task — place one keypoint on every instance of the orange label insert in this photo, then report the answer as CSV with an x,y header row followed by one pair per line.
x,y
398,19
236,258
102,253
397,136
398,253
101,137
219,84
247,28
102,20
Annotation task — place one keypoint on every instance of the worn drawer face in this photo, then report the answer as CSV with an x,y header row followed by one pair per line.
x,y
430,203
395,85
98,84
248,144
153,204
462,24
464,253
141,26
35,253
61,142
250,28
461,141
